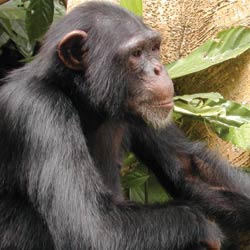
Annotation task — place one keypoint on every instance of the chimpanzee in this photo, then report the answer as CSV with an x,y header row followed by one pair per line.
x,y
96,90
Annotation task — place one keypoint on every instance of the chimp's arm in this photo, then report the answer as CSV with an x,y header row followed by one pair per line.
x,y
191,171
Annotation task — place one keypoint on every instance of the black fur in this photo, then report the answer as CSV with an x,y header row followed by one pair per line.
x,y
62,135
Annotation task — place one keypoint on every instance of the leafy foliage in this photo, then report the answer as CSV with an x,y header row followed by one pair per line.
x,y
134,6
228,119
12,27
227,44
39,17
141,185
19,18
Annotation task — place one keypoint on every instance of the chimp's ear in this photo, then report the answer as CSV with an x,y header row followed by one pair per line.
x,y
70,49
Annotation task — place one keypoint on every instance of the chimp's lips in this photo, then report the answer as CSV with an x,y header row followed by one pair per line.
x,y
165,104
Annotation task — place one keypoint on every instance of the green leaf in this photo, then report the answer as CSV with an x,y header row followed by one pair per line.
x,y
59,11
227,44
130,159
12,16
136,178
149,192
16,31
230,120
11,12
134,6
156,193
137,194
12,22
39,17
4,38
240,136
143,186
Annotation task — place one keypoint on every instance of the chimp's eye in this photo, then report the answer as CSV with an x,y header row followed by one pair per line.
x,y
137,53
156,47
